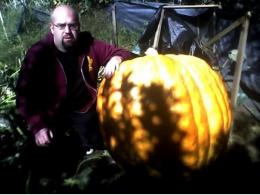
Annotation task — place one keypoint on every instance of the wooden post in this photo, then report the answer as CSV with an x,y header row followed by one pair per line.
x,y
231,27
158,31
114,24
2,21
240,58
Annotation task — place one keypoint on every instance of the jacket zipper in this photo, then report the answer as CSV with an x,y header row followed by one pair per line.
x,y
89,87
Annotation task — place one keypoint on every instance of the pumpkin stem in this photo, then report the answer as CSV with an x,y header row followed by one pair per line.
x,y
151,52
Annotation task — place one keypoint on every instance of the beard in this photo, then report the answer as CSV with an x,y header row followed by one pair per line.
x,y
68,42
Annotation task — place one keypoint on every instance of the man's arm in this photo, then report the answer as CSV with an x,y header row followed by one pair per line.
x,y
112,66
110,56
27,100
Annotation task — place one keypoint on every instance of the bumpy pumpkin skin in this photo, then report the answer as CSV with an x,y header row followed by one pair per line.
x,y
164,111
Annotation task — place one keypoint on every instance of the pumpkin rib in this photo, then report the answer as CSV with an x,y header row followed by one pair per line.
x,y
100,103
201,66
184,80
204,66
200,150
165,69
210,75
224,96
215,95
228,119
222,104
205,128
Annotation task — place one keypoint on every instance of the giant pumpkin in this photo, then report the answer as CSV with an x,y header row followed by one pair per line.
x,y
164,111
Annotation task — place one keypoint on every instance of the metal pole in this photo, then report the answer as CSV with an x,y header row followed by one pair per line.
x,y
240,58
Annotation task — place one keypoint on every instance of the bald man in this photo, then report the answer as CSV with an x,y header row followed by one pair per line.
x,y
57,84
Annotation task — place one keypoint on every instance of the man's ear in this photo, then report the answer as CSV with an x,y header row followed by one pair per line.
x,y
51,28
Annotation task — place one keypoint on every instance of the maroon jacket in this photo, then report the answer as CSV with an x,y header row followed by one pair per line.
x,y
41,86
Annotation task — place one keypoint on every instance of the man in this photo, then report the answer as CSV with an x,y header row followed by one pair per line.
x,y
57,84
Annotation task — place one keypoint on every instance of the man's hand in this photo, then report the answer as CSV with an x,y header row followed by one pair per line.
x,y
43,137
112,66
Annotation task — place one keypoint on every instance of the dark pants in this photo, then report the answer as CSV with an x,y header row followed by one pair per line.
x,y
86,125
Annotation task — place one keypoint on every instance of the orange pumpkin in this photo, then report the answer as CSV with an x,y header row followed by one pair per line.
x,y
162,111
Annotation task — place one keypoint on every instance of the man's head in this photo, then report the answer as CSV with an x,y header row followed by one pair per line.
x,y
65,27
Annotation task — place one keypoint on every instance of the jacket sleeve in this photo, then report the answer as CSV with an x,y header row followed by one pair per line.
x,y
103,52
26,99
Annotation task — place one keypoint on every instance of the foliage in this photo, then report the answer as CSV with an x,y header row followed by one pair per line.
x,y
99,23
14,47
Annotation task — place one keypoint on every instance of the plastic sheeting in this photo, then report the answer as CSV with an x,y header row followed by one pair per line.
x,y
184,29
181,32
134,16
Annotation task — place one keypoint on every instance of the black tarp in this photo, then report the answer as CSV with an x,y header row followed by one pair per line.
x,y
184,29
181,32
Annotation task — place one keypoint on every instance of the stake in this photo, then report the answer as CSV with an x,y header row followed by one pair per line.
x,y
2,21
240,58
158,31
221,34
115,42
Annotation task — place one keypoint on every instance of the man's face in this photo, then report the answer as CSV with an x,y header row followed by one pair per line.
x,y
65,28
